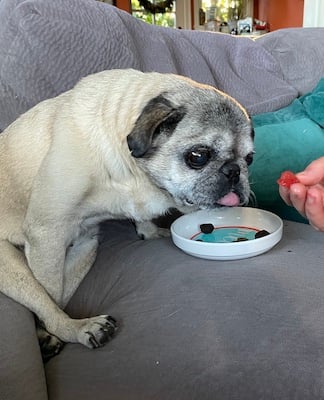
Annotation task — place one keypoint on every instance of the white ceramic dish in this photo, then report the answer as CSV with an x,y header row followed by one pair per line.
x,y
185,229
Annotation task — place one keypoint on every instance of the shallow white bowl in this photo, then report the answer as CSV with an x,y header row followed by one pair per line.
x,y
187,226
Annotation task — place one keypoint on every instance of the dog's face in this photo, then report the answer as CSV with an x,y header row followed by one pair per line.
x,y
197,146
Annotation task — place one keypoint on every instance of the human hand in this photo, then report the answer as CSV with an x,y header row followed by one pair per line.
x,y
307,196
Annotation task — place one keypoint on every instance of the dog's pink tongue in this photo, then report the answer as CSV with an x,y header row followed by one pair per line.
x,y
230,200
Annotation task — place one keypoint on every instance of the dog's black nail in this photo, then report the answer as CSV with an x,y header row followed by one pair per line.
x,y
93,340
111,319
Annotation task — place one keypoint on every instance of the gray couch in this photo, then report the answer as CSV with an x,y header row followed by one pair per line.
x,y
191,329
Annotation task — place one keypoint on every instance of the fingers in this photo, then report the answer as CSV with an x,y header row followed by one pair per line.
x,y
314,207
309,202
313,174
307,196
285,195
295,196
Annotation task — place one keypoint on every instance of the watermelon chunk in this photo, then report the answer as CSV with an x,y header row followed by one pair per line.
x,y
287,178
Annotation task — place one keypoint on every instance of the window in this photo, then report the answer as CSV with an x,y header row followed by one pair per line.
x,y
142,9
223,10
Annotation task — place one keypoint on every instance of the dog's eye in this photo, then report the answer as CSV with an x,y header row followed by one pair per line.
x,y
249,158
197,158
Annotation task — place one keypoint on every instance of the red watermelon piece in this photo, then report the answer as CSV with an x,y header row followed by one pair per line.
x,y
287,178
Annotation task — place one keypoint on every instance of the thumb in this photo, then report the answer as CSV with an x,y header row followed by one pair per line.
x,y
313,173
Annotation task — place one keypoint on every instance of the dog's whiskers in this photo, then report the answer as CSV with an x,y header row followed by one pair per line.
x,y
253,202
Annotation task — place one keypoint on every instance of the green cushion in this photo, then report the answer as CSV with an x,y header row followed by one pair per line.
x,y
287,139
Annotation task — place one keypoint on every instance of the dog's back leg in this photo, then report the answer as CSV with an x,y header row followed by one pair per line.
x,y
18,282
79,259
49,344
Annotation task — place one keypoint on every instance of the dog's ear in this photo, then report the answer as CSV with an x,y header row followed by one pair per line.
x,y
158,114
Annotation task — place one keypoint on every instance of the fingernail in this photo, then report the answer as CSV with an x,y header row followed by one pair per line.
x,y
301,174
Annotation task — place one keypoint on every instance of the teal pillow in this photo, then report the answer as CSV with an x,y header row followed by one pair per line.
x,y
287,139
314,103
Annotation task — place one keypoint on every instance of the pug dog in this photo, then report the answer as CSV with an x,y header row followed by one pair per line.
x,y
120,144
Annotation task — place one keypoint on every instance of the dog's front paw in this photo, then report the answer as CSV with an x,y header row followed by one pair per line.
x,y
148,230
97,331
162,232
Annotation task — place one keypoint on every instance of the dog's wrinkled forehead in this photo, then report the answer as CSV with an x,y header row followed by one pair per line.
x,y
219,120
186,116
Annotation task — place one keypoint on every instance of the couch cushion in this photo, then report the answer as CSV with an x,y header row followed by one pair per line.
x,y
193,329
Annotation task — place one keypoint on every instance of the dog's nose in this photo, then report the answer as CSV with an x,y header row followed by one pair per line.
x,y
231,171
